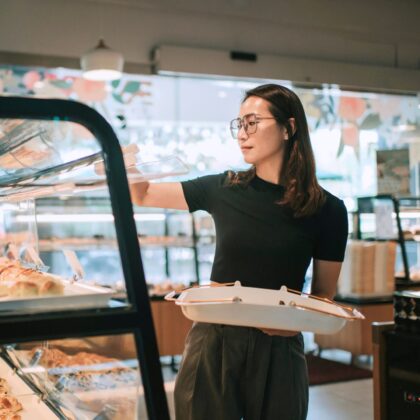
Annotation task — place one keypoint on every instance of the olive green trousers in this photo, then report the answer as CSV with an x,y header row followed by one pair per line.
x,y
234,373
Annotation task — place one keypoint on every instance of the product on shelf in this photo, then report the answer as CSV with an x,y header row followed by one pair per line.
x,y
415,274
9,406
165,287
18,281
368,268
8,125
4,386
24,157
83,371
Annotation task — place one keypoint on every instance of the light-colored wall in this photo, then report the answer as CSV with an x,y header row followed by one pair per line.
x,y
384,33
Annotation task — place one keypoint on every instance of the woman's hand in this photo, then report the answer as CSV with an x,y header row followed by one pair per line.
x,y
138,192
282,333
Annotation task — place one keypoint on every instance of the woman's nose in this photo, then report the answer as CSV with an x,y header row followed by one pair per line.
x,y
242,134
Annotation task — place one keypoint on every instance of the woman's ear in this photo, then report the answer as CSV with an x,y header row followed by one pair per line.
x,y
292,123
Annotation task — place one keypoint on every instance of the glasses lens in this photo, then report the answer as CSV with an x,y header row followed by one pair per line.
x,y
250,123
235,127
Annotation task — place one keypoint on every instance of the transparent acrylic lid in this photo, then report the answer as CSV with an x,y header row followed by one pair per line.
x,y
42,158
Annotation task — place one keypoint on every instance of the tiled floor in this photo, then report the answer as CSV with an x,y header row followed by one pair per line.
x,y
342,401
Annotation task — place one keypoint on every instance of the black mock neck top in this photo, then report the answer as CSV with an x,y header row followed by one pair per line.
x,y
258,241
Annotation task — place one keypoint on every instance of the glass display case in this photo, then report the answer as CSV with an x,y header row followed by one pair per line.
x,y
177,247
77,341
391,218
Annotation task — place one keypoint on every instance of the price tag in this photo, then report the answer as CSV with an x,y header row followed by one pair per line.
x,y
32,256
74,263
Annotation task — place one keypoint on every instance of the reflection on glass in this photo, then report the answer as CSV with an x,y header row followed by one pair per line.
x,y
92,377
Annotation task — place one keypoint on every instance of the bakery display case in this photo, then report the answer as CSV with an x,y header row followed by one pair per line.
x,y
77,338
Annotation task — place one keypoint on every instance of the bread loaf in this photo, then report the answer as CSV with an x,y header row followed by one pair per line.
x,y
23,288
18,281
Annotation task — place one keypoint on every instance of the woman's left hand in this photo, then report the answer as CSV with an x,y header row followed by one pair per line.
x,y
282,333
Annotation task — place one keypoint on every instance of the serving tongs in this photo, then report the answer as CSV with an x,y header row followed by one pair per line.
x,y
351,313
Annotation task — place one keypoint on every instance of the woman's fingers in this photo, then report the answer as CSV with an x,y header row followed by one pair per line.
x,y
283,333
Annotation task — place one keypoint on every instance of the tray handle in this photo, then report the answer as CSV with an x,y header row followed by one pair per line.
x,y
171,295
352,312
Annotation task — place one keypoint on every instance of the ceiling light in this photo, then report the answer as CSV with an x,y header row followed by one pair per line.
x,y
102,63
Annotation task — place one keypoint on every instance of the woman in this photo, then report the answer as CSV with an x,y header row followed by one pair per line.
x,y
271,220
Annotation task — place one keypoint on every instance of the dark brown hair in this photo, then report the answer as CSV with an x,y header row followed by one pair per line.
x,y
303,195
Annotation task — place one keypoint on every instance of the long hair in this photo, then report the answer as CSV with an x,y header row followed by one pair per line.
x,y
303,195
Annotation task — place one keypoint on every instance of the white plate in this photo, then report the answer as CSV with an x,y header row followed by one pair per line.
x,y
76,296
263,308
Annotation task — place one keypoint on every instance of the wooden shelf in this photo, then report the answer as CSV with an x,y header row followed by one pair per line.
x,y
356,336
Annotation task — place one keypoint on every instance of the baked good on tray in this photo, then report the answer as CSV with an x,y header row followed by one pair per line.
x,y
10,406
18,281
83,371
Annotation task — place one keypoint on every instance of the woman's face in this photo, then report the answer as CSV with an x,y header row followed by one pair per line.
x,y
266,145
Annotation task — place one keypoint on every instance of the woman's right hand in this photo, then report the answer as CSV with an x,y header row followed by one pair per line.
x,y
138,192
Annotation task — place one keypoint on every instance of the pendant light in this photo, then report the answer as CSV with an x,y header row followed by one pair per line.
x,y
102,63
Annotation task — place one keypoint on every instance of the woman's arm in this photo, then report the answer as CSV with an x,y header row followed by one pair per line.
x,y
324,284
167,195
325,277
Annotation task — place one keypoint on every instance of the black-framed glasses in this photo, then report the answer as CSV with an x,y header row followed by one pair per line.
x,y
248,122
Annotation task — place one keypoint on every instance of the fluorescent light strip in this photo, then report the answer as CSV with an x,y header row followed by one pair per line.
x,y
84,218
38,192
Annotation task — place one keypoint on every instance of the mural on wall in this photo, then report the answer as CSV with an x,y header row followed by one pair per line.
x,y
68,84
165,115
386,114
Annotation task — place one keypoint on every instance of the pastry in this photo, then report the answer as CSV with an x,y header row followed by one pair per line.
x,y
12,416
51,288
9,405
85,371
19,281
23,288
4,386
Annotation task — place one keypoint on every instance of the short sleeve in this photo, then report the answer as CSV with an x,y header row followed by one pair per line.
x,y
333,232
201,193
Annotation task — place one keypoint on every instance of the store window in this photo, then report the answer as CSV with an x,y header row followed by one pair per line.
x,y
188,117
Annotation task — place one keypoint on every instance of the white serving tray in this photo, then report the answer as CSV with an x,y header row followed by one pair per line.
x,y
76,296
283,309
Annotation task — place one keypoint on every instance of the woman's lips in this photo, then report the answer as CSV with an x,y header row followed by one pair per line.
x,y
246,148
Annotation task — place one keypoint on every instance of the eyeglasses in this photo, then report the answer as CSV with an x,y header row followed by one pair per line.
x,y
248,122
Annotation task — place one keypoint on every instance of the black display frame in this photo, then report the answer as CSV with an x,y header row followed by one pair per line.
x,y
137,317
